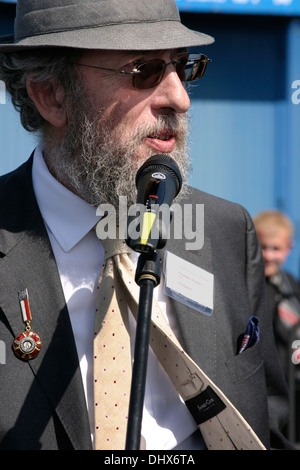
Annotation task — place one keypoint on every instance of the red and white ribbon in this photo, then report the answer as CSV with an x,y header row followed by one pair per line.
x,y
24,303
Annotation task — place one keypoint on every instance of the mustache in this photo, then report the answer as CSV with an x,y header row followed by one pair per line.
x,y
172,123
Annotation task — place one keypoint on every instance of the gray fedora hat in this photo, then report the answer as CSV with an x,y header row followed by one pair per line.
x,y
100,24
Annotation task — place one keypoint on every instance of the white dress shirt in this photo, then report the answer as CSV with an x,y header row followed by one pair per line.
x,y
69,220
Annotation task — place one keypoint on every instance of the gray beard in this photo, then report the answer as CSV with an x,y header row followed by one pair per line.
x,y
92,162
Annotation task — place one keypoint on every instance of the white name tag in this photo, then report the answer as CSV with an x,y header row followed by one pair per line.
x,y
188,283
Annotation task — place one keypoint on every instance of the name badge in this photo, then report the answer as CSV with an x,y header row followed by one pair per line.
x,y
189,284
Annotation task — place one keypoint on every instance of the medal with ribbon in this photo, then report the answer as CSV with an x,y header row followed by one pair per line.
x,y
27,344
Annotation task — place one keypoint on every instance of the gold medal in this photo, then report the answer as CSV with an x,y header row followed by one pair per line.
x,y
27,344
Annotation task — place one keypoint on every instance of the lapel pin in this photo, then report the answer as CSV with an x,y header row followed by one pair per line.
x,y
27,344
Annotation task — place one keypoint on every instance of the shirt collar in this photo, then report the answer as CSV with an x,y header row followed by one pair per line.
x,y
66,215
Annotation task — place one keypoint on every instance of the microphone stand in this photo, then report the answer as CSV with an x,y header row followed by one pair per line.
x,y
147,277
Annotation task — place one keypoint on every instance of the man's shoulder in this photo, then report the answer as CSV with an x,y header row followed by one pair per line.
x,y
194,194
215,205
16,193
15,183
17,175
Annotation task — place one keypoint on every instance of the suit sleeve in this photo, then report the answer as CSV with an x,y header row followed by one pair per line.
x,y
278,401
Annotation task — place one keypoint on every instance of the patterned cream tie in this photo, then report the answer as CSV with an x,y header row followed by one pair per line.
x,y
112,356
225,430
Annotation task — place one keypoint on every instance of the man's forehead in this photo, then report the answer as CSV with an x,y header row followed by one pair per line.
x,y
99,53
159,52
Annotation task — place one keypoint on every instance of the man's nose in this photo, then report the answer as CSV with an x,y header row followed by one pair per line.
x,y
171,92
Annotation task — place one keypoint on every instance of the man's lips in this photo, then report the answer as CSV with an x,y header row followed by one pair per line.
x,y
161,142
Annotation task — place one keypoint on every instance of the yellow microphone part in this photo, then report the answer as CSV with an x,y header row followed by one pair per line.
x,y
148,221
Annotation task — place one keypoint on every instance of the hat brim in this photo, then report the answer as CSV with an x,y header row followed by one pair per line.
x,y
146,36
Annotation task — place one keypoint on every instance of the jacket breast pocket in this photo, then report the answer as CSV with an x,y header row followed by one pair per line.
x,y
244,365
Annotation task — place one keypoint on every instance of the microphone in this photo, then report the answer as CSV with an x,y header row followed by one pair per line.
x,y
158,182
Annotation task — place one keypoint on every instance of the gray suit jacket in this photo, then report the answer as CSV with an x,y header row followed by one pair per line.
x,y
42,402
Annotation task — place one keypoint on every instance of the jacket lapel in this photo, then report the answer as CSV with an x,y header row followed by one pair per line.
x,y
198,330
28,262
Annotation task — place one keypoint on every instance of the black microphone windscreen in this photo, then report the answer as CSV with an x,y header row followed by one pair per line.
x,y
161,162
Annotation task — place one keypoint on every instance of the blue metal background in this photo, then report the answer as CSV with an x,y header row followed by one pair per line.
x,y
245,127
273,7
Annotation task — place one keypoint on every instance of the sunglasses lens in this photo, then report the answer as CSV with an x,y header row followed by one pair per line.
x,y
191,69
149,74
188,67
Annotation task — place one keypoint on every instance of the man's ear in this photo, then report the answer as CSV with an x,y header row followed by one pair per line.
x,y
49,98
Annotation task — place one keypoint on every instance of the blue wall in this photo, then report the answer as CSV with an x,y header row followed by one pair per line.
x,y
291,136
250,7
245,130
15,143
245,127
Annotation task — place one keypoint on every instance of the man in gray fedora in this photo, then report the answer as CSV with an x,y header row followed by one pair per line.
x,y
102,83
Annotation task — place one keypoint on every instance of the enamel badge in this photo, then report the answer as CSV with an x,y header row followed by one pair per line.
x,y
27,344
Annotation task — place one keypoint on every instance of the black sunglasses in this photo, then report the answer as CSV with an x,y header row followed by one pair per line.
x,y
148,74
